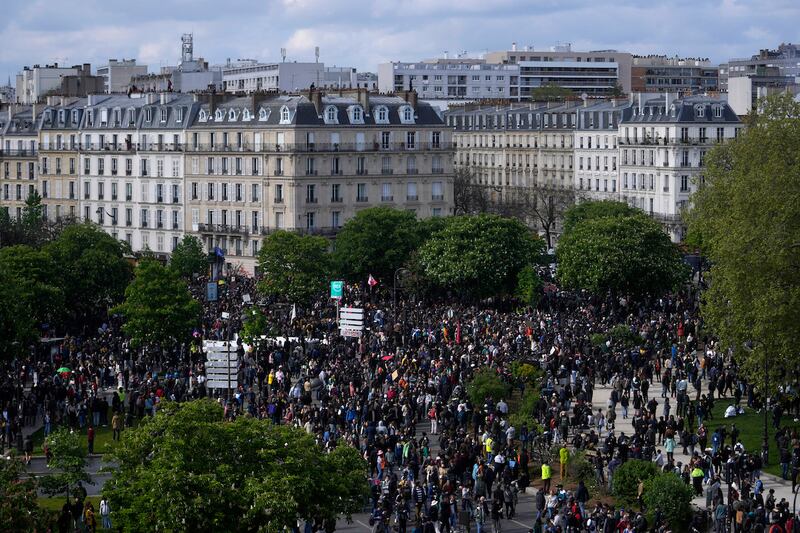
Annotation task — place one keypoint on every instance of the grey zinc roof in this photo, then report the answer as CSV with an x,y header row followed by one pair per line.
x,y
655,110
21,123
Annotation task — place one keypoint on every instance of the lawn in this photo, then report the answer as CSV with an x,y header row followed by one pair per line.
x,y
55,505
103,439
751,428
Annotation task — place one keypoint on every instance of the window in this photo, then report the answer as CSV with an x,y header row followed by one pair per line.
x,y
336,219
437,191
224,192
210,191
357,115
386,192
331,115
194,190
143,218
164,113
382,115
411,140
700,110
311,194
255,167
407,115
285,116
718,111
361,192
411,165
278,193
254,193
411,192
684,183
254,220
336,193
385,140
128,192
386,165
436,139
310,220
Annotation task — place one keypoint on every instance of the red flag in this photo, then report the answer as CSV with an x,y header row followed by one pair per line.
x,y
372,281
458,333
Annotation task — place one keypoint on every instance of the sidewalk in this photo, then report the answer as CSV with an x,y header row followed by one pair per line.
x,y
783,489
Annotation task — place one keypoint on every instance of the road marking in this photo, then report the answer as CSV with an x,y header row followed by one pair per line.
x,y
526,526
365,525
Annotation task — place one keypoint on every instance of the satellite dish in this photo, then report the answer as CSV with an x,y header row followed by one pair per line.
x,y
584,96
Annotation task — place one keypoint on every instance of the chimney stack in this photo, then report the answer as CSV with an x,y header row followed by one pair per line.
x,y
363,99
411,97
315,96
212,103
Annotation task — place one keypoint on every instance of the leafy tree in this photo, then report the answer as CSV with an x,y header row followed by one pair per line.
x,y
376,241
36,275
293,266
590,210
188,258
158,306
68,464
529,286
668,494
19,508
251,475
746,217
254,325
485,383
479,255
550,92
625,483
17,328
92,270
622,254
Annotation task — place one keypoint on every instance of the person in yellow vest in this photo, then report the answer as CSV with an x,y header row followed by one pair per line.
x,y
697,480
488,445
546,475
563,458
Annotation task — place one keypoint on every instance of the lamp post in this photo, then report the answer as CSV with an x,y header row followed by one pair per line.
x,y
749,346
398,274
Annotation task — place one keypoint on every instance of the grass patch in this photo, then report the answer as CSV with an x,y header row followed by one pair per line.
x,y
751,430
103,439
55,504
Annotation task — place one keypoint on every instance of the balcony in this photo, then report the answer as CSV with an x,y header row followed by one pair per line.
x,y
362,172
311,200
437,171
224,228
387,171
278,200
321,231
437,198
18,153
336,200
412,171
362,199
311,172
387,198
413,198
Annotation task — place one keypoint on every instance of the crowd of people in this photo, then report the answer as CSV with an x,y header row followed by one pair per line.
x,y
437,461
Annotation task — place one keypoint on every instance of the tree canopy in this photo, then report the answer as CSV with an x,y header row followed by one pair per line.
x,y
188,258
251,475
36,275
479,255
19,508
624,254
376,241
747,220
17,327
293,266
596,209
158,307
68,463
92,270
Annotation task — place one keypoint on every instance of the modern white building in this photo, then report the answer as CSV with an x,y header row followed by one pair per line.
x,y
33,83
118,74
191,75
449,78
597,151
663,143
286,77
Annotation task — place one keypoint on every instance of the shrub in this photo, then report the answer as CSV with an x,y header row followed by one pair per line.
x,y
529,286
580,468
526,372
622,334
670,495
598,339
486,383
625,483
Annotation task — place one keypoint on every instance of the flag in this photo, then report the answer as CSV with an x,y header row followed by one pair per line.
x,y
458,333
294,312
372,281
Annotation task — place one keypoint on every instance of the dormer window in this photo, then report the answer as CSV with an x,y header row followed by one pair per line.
x,y
672,110
357,115
116,114
232,114
75,116
219,115
718,111
61,116
381,115
285,116
179,115
90,117
103,116
48,117
148,114
131,116
202,116
700,111
262,115
331,115
164,113
246,114
408,114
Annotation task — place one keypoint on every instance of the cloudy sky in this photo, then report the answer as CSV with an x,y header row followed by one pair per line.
x,y
364,33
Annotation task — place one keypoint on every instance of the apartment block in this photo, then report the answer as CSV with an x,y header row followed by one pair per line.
x,y
19,145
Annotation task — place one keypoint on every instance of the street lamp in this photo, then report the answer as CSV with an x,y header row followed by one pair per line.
x,y
113,218
398,274
750,347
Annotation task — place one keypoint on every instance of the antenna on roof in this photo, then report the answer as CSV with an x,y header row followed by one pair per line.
x,y
316,54
283,55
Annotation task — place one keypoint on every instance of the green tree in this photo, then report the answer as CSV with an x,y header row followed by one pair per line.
x,y
626,479
668,494
37,277
629,254
68,464
188,258
529,286
19,508
593,209
17,328
376,241
293,266
92,270
254,325
485,383
251,475
550,92
158,306
746,217
479,255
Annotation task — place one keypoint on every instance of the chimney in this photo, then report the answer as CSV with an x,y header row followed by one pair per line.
x,y
411,97
33,112
89,99
316,98
363,99
514,46
150,98
212,103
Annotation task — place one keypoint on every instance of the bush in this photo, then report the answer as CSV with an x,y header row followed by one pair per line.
x,y
522,413
625,483
529,286
580,468
526,372
670,495
486,383
622,334
598,339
